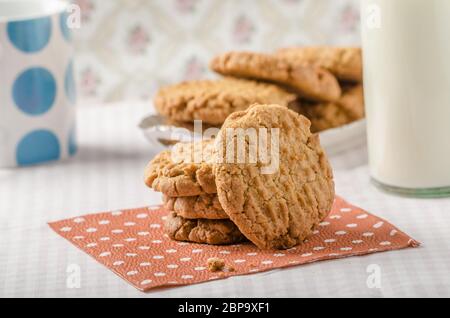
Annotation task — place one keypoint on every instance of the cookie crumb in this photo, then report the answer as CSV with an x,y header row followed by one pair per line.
x,y
231,269
215,264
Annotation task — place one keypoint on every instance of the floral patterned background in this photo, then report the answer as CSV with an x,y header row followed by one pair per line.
x,y
126,49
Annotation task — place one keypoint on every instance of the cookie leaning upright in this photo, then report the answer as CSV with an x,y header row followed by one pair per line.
x,y
184,171
308,81
281,209
212,101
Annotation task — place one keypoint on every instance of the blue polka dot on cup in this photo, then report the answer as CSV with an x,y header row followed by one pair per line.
x,y
73,148
34,91
37,80
38,146
67,33
30,36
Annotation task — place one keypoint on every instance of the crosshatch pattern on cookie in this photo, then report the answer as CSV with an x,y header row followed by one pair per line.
x,y
133,245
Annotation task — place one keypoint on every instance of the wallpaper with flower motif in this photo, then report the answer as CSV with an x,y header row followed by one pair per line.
x,y
126,49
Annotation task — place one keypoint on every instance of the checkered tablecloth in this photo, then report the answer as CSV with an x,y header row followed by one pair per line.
x,y
107,175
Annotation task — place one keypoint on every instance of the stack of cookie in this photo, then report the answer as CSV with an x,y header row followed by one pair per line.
x,y
323,84
215,198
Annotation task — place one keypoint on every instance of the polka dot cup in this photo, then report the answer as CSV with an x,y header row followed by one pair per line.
x,y
37,86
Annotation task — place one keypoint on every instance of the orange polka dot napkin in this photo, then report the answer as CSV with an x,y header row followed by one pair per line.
x,y
133,245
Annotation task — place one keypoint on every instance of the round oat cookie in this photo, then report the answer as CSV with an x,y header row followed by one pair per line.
x,y
352,101
213,100
344,62
213,232
184,171
308,81
323,116
281,209
205,206
191,126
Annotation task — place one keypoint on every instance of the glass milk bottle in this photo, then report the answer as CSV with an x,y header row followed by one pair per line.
x,y
406,48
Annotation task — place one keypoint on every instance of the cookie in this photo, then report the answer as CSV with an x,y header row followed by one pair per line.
x,y
307,81
323,116
212,101
344,62
352,101
215,264
184,171
274,208
205,206
191,126
213,232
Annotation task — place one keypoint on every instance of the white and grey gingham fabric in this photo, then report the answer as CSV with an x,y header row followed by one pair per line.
x,y
107,175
